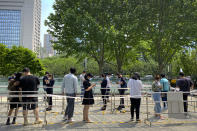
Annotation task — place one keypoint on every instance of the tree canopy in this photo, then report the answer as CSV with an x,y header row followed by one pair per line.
x,y
15,59
123,33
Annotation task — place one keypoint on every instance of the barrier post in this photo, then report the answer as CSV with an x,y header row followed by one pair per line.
x,y
111,101
45,112
147,111
63,105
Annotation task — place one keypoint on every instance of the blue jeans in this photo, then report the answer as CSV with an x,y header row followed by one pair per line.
x,y
157,98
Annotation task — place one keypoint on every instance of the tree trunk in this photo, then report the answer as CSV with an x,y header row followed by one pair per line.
x,y
160,68
119,65
100,68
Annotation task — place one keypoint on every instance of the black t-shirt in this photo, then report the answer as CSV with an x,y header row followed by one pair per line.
x,y
123,83
44,80
184,84
29,83
104,83
51,83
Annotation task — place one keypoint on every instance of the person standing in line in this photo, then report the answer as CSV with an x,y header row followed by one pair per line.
x,y
156,89
88,99
14,86
165,88
104,91
82,79
11,78
184,84
122,85
45,78
30,83
69,87
49,89
135,86
108,86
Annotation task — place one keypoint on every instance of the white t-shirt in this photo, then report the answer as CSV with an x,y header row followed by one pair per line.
x,y
135,88
108,82
82,79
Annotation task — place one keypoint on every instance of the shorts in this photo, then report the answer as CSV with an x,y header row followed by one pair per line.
x,y
15,104
33,105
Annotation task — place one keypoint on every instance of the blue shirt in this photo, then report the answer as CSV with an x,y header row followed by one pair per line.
x,y
165,84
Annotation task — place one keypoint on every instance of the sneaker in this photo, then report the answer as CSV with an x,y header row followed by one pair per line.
x,y
187,116
48,109
138,121
65,118
132,119
70,121
13,122
8,121
119,108
103,108
38,122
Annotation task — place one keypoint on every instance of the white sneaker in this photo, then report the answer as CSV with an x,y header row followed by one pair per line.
x,y
70,121
187,116
65,118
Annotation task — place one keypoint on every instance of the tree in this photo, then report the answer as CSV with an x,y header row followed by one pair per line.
x,y
18,58
81,28
124,33
168,26
3,65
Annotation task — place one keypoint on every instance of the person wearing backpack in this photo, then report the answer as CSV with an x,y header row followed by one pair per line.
x,y
184,84
122,88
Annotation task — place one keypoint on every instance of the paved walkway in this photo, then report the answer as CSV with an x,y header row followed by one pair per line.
x,y
103,120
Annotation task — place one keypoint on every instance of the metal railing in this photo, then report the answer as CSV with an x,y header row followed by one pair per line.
x,y
59,101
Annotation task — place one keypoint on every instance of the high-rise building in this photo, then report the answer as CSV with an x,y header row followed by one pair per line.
x,y
20,23
49,51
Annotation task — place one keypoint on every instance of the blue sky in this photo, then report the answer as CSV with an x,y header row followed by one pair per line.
x,y
46,10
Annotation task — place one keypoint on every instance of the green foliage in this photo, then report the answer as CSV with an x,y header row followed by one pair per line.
x,y
187,60
17,58
3,65
140,35
60,65
168,26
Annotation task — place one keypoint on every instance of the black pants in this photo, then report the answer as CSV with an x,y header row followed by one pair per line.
x,y
49,99
70,106
121,92
185,96
135,106
164,99
104,93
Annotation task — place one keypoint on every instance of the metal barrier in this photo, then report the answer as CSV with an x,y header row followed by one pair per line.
x,y
59,101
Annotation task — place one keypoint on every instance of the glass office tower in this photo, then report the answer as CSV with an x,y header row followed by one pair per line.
x,y
10,24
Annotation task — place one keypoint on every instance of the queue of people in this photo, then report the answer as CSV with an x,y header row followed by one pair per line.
x,y
26,84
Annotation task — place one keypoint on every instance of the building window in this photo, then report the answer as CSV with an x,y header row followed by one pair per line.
x,y
10,24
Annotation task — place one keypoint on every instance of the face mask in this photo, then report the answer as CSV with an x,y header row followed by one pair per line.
x,y
90,79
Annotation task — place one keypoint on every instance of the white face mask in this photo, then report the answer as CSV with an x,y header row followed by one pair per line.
x,y
90,79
